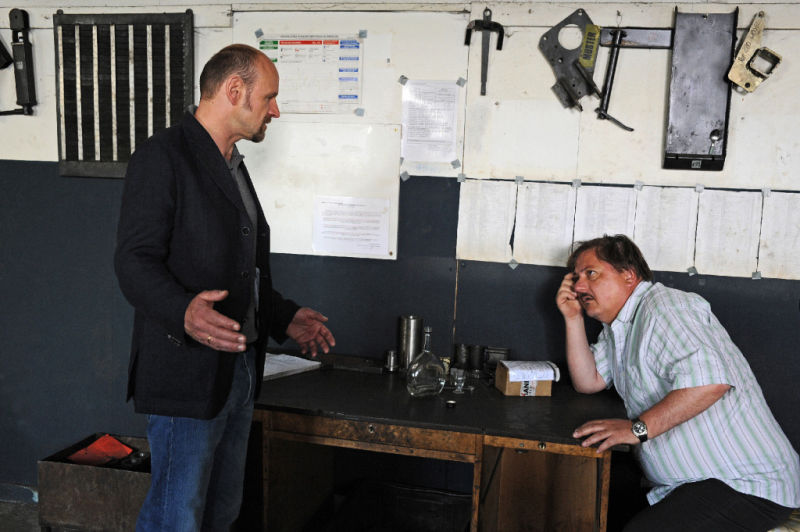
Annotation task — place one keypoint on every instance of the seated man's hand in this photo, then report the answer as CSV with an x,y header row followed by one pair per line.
x,y
606,432
567,299
308,331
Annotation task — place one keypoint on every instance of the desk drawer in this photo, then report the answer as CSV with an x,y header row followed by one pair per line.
x,y
374,433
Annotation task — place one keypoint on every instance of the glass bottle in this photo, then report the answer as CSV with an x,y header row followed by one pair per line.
x,y
425,374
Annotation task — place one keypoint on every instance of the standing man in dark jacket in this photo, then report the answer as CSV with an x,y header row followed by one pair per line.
x,y
193,259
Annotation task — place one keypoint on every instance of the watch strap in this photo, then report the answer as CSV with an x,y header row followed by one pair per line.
x,y
642,436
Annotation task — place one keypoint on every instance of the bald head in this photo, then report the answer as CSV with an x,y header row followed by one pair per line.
x,y
237,59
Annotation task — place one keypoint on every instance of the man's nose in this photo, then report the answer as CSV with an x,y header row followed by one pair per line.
x,y
580,285
273,109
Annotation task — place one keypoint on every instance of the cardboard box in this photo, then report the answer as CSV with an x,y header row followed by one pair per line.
x,y
523,388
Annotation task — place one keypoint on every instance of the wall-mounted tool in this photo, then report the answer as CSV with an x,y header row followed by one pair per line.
x,y
617,38
486,26
699,92
608,82
753,64
23,63
574,68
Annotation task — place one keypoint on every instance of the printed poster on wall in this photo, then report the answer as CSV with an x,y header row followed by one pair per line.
x,y
319,73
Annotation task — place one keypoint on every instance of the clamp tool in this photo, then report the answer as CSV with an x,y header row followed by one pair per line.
x,y
487,25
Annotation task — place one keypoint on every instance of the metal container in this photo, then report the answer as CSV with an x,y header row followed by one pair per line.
x,y
391,361
461,356
409,342
476,358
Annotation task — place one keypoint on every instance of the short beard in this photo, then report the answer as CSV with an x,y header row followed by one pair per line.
x,y
258,137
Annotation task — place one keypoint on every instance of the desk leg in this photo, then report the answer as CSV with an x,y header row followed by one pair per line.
x,y
603,485
476,483
266,422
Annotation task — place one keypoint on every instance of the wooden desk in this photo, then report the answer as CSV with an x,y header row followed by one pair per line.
x,y
334,408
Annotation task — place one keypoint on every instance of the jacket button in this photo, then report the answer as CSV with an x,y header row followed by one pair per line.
x,y
245,231
245,275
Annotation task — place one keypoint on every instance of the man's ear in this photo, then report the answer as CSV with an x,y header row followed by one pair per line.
x,y
629,275
234,89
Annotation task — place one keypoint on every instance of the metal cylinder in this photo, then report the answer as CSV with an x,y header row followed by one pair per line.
x,y
461,356
476,357
409,339
391,361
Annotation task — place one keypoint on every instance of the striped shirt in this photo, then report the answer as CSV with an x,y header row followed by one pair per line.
x,y
665,339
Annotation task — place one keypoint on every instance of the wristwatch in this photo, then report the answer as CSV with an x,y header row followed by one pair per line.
x,y
639,429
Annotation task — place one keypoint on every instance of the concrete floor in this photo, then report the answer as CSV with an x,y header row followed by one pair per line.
x,y
19,517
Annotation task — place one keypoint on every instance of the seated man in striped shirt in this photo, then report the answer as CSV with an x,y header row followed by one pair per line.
x,y
701,429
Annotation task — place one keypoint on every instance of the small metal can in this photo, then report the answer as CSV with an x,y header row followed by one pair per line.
x,y
391,361
461,356
476,357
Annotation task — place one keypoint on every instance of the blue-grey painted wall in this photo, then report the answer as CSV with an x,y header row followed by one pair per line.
x,y
65,328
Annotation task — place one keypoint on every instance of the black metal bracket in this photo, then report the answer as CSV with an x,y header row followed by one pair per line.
x,y
486,26
699,91
608,82
617,38
23,63
574,69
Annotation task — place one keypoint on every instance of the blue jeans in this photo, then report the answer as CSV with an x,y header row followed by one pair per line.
x,y
198,465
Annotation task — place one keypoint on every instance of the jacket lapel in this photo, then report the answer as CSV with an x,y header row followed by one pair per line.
x,y
211,160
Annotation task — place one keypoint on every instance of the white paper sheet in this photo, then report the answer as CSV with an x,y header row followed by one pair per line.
x,y
779,249
665,228
302,160
280,365
344,225
545,219
728,225
485,219
430,115
604,210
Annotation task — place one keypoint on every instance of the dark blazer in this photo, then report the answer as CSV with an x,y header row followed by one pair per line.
x,y
183,229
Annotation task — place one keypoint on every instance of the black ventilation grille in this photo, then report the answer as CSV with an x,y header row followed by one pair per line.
x,y
119,79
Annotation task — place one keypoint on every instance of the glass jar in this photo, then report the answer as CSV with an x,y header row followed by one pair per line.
x,y
425,374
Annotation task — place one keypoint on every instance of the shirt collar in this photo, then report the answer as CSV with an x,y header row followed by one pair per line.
x,y
628,310
236,159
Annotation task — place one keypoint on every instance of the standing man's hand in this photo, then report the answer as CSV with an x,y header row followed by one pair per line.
x,y
567,298
211,328
308,331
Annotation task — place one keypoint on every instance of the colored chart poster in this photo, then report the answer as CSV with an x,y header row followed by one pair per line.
x,y
319,73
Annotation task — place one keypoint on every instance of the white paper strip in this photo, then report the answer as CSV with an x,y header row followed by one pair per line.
x,y
779,250
728,225
545,219
527,370
665,228
604,211
485,219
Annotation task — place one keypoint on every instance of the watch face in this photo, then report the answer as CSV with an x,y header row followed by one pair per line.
x,y
639,428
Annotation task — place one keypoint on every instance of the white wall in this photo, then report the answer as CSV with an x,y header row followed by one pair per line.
x,y
520,131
